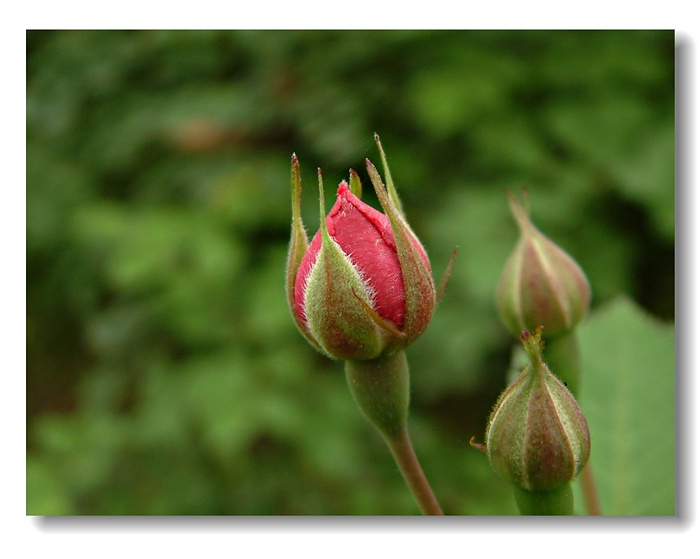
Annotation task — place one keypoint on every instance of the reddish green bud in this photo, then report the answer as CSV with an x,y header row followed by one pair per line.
x,y
362,287
541,284
537,437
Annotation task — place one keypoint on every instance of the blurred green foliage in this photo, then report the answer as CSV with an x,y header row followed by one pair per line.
x,y
165,375
630,414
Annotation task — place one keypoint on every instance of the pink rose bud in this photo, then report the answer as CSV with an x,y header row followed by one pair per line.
x,y
541,285
537,437
363,286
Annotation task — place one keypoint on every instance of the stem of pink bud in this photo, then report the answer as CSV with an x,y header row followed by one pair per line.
x,y
407,461
381,389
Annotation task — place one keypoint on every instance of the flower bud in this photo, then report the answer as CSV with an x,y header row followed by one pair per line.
x,y
362,287
537,437
541,284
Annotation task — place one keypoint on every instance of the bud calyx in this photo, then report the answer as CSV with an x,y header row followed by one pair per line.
x,y
537,437
541,285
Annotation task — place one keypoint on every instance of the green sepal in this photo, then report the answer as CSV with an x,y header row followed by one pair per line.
x,y
442,286
391,189
298,245
419,287
355,184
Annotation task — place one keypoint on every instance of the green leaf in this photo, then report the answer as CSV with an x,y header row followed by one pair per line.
x,y
628,399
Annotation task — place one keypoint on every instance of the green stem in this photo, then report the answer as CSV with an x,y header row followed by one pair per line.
x,y
407,461
381,389
563,356
552,502
590,495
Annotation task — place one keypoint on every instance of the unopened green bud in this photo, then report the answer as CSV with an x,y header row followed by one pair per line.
x,y
541,285
537,437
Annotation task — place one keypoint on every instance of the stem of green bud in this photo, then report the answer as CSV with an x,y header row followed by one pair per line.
x,y
563,356
381,389
559,501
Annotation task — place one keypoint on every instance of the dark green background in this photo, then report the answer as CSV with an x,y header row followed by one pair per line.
x,y
164,374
